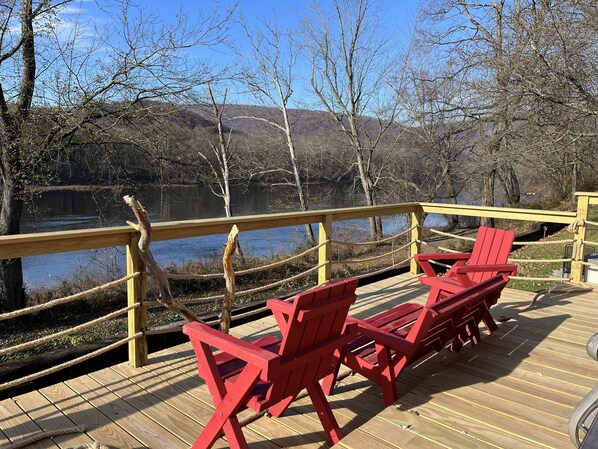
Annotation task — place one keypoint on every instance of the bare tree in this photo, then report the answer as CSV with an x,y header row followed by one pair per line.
x,y
432,101
350,60
218,179
64,84
561,75
269,76
561,67
483,42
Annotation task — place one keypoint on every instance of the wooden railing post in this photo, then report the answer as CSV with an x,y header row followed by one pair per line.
x,y
136,292
583,207
417,221
325,251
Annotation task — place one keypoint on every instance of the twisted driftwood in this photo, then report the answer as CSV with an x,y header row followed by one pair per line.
x,y
229,277
145,230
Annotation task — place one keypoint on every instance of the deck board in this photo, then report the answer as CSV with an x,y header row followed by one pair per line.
x,y
516,389
98,426
48,417
17,424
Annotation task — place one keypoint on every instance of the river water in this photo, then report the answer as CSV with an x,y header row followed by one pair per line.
x,y
60,210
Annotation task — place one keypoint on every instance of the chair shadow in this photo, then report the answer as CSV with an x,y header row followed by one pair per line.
x,y
172,376
497,356
494,358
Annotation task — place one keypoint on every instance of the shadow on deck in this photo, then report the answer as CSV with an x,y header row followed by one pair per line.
x,y
515,389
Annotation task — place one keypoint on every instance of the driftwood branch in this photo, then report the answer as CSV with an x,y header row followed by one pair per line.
x,y
145,230
229,277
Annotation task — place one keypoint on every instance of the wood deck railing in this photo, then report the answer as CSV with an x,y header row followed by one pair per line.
x,y
55,242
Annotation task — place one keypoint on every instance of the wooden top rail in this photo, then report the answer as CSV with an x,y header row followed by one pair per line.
x,y
24,245
594,194
551,216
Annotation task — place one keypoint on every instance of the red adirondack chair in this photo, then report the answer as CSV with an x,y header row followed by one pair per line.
x,y
393,339
488,258
269,373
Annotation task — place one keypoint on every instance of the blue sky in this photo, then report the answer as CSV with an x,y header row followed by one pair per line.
x,y
399,18
400,14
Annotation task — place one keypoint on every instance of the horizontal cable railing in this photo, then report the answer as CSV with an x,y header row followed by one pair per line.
x,y
371,259
67,332
67,299
327,264
374,242
511,259
70,363
453,236
249,270
72,330
384,270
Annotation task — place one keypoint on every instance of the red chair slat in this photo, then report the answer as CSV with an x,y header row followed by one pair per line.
x,y
489,255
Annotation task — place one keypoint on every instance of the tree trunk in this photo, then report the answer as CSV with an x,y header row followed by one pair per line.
x,y
295,166
508,179
452,220
370,198
488,195
12,295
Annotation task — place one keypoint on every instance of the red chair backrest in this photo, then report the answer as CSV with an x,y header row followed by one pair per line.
x,y
439,323
317,317
492,247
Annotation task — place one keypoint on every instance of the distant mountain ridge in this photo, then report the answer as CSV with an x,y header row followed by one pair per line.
x,y
304,122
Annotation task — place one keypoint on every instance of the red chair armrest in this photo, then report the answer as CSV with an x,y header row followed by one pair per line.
x,y
424,260
502,268
382,337
279,305
442,256
252,354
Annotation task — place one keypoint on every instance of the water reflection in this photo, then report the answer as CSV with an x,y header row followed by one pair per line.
x,y
67,209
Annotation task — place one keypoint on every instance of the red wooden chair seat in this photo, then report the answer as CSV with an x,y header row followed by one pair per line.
x,y
267,374
488,258
393,339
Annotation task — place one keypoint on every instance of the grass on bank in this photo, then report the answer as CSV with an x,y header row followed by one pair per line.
x,y
555,251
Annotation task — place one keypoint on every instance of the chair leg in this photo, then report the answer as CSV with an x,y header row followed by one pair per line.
x,y
227,403
232,430
279,408
387,375
333,432
489,322
458,342
329,381
474,332
434,296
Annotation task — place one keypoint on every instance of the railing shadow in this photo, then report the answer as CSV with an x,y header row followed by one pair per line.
x,y
168,397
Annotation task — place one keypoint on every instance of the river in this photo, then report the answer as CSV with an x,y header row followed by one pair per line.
x,y
59,210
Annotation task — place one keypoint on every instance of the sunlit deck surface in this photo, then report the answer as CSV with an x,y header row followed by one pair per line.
x,y
516,389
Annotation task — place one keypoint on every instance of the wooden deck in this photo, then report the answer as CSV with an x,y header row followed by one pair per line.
x,y
516,389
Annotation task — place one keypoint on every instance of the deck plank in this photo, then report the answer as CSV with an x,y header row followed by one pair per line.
x,y
147,431
489,416
457,423
97,425
17,425
4,441
48,417
161,413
